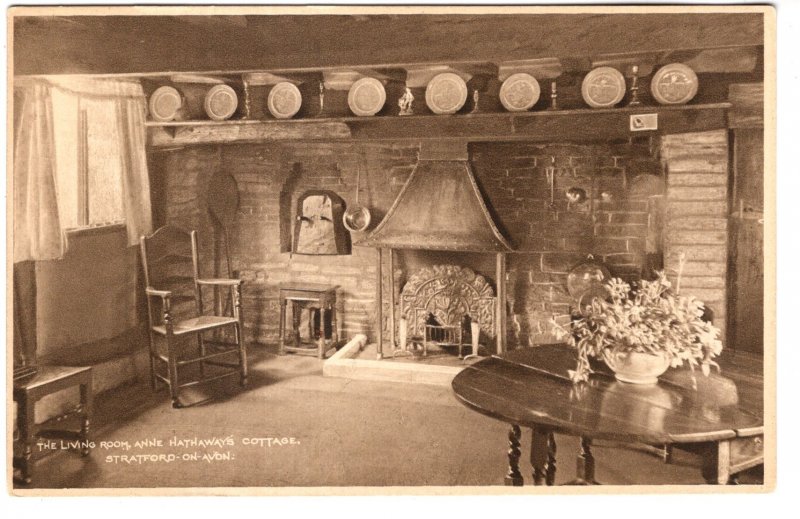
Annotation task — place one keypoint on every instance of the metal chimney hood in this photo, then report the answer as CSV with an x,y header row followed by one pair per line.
x,y
440,207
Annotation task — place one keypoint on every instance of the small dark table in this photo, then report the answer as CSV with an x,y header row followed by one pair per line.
x,y
29,390
720,416
307,296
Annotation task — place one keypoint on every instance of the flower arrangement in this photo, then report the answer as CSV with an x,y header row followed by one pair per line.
x,y
648,318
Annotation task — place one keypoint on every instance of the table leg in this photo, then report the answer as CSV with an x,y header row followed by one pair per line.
x,y
585,464
550,477
26,425
514,476
282,328
334,325
311,319
296,309
321,344
716,463
543,457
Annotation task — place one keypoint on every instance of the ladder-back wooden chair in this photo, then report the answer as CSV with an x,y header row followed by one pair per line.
x,y
173,282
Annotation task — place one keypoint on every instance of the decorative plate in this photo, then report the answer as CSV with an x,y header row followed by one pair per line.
x,y
674,84
446,93
366,97
220,102
519,92
603,87
284,100
164,104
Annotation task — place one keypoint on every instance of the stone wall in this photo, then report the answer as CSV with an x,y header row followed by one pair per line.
x,y
618,223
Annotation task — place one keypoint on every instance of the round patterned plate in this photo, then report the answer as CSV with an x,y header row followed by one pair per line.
x,y
164,104
220,102
519,92
674,84
446,93
284,100
603,87
366,97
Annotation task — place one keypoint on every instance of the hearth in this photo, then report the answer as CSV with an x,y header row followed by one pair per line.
x,y
440,305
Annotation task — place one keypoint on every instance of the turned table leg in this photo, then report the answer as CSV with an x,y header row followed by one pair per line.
x,y
585,464
86,408
514,476
550,477
543,457
26,426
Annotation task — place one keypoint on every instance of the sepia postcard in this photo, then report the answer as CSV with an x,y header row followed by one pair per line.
x,y
390,250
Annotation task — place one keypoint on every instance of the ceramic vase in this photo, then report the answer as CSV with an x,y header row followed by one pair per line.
x,y
636,367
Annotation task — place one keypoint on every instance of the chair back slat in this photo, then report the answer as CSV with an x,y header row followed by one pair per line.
x,y
169,257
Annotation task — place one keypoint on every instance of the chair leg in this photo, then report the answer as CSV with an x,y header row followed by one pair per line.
x,y
282,328
172,366
201,347
153,379
242,355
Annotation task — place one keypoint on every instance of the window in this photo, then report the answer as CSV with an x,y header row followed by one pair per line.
x,y
88,161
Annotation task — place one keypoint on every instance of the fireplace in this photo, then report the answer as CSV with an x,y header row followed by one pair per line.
x,y
441,208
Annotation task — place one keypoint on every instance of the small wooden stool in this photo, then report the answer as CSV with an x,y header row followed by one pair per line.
x,y
29,390
307,296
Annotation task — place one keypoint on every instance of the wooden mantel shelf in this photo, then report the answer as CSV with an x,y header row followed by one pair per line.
x,y
566,125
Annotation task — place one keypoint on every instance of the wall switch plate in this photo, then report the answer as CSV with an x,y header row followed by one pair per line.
x,y
643,122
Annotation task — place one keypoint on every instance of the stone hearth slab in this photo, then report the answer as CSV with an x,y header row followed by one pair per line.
x,y
343,364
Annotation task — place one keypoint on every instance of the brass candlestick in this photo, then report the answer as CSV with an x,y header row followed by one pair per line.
x,y
635,87
321,98
553,96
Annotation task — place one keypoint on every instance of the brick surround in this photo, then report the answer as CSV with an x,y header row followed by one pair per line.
x,y
623,228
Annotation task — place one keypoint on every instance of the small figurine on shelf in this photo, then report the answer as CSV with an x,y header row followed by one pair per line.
x,y
405,103
476,97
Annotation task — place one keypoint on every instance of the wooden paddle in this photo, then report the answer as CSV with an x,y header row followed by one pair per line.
x,y
223,202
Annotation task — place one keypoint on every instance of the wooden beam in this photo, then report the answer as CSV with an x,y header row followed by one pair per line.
x,y
542,126
583,125
128,44
246,131
748,105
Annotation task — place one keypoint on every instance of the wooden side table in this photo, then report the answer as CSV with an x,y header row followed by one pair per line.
x,y
29,390
307,296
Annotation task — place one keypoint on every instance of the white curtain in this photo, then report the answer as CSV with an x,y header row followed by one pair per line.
x,y
46,160
37,227
135,182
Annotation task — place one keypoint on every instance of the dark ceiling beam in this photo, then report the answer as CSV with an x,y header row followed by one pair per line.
x,y
142,44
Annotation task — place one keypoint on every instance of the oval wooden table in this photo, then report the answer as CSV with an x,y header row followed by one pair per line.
x,y
719,417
